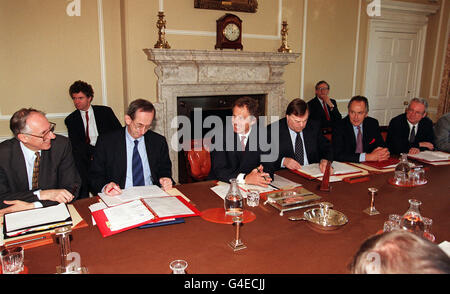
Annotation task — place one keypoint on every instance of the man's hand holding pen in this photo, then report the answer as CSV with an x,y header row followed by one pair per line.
x,y
258,177
112,189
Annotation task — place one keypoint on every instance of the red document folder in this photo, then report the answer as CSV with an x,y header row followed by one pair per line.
x,y
381,164
103,222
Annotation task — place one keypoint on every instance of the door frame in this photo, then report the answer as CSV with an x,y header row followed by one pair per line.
x,y
400,17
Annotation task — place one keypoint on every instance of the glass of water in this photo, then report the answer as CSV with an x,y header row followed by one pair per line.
x,y
253,198
12,260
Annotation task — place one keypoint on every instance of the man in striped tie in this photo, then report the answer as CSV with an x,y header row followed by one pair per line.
x,y
133,155
36,166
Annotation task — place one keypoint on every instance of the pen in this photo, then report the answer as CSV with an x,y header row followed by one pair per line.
x,y
25,241
113,188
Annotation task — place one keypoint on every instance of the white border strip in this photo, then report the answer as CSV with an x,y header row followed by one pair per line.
x,y
444,53
302,81
101,37
433,73
355,63
248,36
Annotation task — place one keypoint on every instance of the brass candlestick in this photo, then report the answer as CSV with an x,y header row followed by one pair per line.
x,y
237,244
161,25
372,210
284,46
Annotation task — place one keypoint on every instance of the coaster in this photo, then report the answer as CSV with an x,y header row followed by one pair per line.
x,y
217,215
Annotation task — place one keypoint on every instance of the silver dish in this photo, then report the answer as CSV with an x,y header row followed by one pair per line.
x,y
323,218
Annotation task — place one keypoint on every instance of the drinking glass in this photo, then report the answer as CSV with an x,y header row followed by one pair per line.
x,y
427,223
12,260
253,198
389,226
178,266
395,218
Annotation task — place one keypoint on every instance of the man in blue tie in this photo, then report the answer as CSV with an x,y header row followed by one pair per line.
x,y
357,137
133,155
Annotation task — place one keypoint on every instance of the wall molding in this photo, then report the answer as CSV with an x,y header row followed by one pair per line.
x,y
305,22
355,63
101,37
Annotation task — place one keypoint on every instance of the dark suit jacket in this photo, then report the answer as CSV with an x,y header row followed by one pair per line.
x,y
228,163
57,171
316,145
344,139
398,134
110,159
105,121
316,112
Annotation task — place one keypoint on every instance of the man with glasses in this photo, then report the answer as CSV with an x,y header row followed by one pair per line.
x,y
84,125
131,156
36,166
411,132
323,108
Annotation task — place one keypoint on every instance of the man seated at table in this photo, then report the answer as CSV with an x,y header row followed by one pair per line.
x,y
357,137
300,140
411,132
240,155
322,107
442,132
133,155
36,166
399,252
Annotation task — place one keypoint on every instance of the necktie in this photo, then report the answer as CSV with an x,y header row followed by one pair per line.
x,y
299,152
34,181
359,143
138,170
412,135
88,140
326,111
243,143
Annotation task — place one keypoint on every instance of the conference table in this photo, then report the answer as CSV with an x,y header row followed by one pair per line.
x,y
275,245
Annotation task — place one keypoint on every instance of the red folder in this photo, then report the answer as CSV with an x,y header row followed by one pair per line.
x,y
103,223
381,164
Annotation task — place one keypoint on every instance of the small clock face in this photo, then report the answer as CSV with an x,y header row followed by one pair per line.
x,y
231,32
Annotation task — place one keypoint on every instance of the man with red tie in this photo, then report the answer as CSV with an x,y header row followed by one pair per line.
x,y
322,108
84,125
357,137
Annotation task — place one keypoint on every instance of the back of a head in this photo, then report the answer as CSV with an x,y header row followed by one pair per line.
x,y
400,252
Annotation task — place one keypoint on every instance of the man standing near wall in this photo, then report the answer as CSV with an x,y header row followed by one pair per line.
x,y
84,126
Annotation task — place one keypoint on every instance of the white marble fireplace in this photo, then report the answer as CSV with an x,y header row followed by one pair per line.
x,y
184,73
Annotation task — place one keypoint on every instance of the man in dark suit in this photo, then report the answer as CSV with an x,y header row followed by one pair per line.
x,y
36,166
411,132
131,156
322,108
240,154
84,126
357,137
300,139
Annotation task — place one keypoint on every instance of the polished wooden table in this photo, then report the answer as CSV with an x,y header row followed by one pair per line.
x,y
275,245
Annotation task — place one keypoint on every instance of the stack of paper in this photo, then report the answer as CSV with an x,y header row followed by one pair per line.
x,y
339,168
431,156
127,215
133,193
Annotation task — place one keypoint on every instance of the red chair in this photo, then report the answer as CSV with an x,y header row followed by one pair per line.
x,y
198,160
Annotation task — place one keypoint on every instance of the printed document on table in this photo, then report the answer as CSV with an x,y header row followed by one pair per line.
x,y
222,189
432,155
338,168
283,183
168,206
133,193
127,215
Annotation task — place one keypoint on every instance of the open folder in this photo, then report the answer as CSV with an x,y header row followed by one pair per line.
x,y
113,220
36,220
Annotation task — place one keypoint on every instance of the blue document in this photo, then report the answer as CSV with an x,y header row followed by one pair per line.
x,y
163,223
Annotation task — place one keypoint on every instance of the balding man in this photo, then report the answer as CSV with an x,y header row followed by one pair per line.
x,y
36,166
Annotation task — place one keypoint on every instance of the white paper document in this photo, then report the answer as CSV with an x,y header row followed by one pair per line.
x,y
168,206
338,169
127,215
445,246
222,188
36,217
133,193
283,183
432,155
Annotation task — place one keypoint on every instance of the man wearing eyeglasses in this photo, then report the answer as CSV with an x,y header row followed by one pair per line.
x,y
36,166
411,132
131,156
84,125
323,108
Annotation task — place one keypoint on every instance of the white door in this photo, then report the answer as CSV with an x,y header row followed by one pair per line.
x,y
391,73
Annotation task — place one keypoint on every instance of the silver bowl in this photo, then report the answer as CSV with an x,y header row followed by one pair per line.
x,y
323,218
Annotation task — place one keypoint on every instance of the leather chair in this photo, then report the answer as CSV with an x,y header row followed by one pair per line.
x,y
198,160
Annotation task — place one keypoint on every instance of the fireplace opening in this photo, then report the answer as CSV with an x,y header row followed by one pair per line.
x,y
219,106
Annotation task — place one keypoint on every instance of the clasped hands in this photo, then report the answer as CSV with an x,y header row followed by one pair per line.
x,y
258,177
112,189
378,154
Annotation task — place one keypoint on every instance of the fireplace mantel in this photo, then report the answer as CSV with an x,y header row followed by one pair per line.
x,y
184,73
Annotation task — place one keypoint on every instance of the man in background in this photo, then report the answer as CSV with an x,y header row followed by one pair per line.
x,y
84,125
322,108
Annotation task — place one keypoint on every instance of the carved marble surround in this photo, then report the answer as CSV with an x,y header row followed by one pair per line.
x,y
204,73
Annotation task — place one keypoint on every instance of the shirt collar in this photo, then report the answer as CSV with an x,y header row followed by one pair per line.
x,y
27,152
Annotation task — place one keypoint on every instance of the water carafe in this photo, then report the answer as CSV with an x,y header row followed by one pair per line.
x,y
234,202
412,220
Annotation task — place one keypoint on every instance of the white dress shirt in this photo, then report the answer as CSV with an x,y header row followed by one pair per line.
x,y
93,132
30,157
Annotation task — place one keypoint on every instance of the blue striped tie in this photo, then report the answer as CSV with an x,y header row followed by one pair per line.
x,y
138,170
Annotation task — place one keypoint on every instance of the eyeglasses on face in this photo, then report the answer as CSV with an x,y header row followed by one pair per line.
x,y
415,112
51,129
323,88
